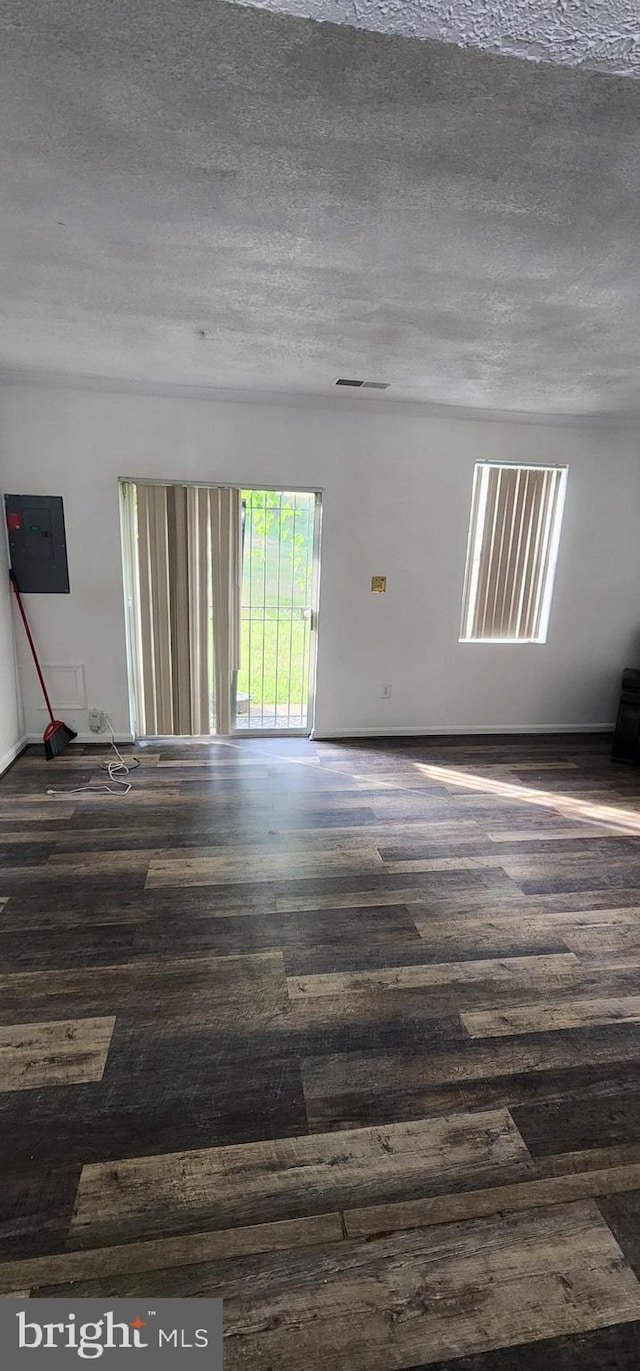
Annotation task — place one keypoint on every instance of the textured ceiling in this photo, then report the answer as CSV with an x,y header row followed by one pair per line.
x,y
602,34
207,194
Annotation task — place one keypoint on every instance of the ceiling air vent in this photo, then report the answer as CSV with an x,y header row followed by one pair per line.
x,y
365,385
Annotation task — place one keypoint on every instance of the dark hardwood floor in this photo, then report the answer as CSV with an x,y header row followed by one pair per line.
x,y
346,1033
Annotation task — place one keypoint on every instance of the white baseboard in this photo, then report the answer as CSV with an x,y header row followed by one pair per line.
x,y
470,730
11,754
99,739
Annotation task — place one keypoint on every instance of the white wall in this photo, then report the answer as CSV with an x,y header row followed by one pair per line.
x,y
397,483
11,720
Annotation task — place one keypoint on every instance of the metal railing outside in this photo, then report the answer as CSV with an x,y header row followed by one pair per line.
x,y
272,688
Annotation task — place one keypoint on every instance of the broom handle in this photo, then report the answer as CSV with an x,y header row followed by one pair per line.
x,y
27,630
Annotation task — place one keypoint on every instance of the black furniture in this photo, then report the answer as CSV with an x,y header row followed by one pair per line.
x,y
626,739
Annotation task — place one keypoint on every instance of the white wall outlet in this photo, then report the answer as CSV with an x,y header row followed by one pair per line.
x,y
97,720
386,692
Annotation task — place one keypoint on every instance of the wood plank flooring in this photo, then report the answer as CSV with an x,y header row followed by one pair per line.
x,y
346,1033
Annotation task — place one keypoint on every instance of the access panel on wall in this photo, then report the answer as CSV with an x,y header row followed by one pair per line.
x,y
37,543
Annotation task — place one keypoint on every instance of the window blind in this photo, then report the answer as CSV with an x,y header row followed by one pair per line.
x,y
186,555
514,530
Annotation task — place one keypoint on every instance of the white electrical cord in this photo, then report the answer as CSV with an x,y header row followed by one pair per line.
x,y
115,770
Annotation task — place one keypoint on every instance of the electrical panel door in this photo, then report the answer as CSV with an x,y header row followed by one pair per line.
x,y
37,543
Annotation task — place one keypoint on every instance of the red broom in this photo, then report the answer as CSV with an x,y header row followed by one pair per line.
x,y
56,735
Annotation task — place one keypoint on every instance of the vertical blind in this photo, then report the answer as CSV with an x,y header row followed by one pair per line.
x,y
225,541
513,541
186,553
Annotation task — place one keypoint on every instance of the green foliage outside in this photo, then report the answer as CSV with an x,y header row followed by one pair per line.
x,y
278,547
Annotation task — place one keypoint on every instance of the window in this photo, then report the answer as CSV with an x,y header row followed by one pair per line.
x,y
516,513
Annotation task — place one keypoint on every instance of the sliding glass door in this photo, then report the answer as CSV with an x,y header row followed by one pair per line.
x,y
221,588
278,617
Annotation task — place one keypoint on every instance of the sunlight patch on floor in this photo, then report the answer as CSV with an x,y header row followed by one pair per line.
x,y
623,821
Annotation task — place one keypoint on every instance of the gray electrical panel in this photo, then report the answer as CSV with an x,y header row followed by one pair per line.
x,y
37,544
